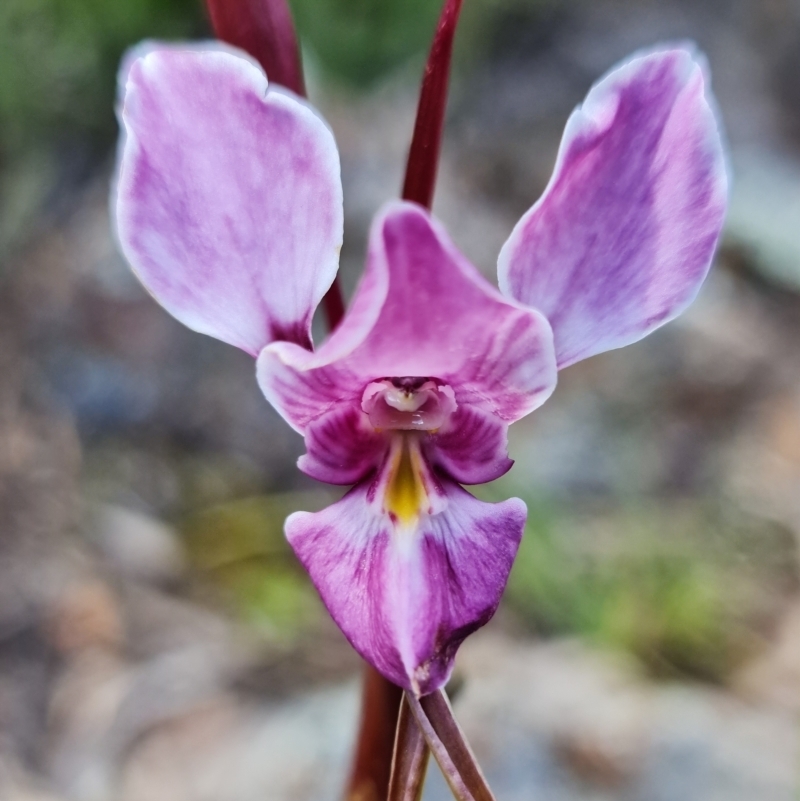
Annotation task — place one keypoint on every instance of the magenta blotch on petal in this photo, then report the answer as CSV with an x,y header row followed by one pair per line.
x,y
407,598
421,310
624,234
228,196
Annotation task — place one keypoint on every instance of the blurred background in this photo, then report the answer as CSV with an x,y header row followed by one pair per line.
x,y
157,639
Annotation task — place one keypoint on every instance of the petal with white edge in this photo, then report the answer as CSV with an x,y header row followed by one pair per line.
x,y
228,196
409,572
624,234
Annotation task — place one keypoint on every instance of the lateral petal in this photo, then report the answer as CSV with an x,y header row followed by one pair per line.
x,y
472,447
228,197
406,599
342,447
624,234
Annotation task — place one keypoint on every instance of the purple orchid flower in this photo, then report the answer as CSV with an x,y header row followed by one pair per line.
x,y
229,208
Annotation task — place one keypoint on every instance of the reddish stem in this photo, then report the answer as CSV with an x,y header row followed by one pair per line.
x,y
423,157
380,705
264,29
333,304
449,746
410,761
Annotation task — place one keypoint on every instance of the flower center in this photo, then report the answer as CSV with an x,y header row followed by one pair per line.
x,y
406,493
408,404
407,487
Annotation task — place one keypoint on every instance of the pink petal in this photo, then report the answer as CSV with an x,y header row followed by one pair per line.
x,y
471,447
421,310
342,447
406,600
624,234
228,197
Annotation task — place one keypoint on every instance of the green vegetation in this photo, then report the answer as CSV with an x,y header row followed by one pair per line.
x,y
58,61
683,591
359,41
239,549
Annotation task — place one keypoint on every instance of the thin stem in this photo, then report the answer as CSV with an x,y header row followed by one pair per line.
x,y
423,157
372,765
411,755
264,29
449,747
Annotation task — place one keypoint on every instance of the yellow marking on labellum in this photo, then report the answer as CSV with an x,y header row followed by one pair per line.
x,y
406,495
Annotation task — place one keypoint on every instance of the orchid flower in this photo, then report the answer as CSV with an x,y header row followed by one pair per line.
x,y
228,205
